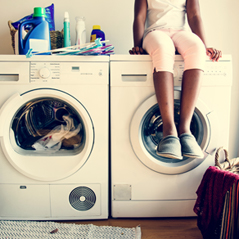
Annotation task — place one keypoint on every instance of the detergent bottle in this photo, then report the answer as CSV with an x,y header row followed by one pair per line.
x,y
38,38
80,31
97,33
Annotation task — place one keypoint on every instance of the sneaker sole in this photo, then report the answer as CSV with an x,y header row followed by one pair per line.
x,y
193,156
171,156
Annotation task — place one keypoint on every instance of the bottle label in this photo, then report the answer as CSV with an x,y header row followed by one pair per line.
x,y
93,38
39,45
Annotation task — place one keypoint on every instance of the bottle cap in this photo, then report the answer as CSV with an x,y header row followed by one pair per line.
x,y
39,12
66,15
96,27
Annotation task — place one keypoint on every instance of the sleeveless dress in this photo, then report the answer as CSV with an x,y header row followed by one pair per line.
x,y
165,14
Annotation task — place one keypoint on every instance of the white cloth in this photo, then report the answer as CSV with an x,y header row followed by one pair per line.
x,y
165,14
53,140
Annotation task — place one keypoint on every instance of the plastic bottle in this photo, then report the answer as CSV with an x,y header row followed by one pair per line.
x,y
38,38
97,33
66,35
80,31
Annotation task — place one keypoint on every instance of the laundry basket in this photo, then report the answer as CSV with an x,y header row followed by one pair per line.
x,y
217,204
229,226
56,37
231,165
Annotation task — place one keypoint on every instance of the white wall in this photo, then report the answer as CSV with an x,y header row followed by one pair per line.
x,y
116,17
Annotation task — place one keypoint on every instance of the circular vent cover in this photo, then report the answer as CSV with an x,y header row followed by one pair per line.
x,y
82,198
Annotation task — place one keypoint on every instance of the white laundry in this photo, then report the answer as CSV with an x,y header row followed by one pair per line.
x,y
53,140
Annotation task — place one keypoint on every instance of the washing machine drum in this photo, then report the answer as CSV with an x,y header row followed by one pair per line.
x,y
48,123
146,131
152,127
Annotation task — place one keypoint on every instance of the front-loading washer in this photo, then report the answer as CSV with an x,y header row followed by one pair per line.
x,y
54,137
143,183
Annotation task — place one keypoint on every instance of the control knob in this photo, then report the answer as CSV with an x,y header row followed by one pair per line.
x,y
44,72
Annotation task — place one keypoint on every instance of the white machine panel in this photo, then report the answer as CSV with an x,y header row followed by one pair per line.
x,y
54,151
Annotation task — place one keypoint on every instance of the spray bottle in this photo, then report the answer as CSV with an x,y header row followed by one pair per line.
x,y
80,31
66,24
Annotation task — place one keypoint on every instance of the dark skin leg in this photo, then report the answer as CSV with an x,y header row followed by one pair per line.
x,y
164,89
190,90
163,84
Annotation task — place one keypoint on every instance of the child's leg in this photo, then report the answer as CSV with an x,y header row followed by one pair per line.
x,y
162,51
164,90
190,90
193,51
169,146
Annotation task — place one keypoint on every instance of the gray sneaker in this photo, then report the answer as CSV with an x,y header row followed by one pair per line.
x,y
169,147
190,147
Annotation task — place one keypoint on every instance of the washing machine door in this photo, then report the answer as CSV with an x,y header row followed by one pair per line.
x,y
146,133
46,134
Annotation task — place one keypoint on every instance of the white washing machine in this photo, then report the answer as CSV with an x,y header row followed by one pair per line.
x,y
143,183
54,137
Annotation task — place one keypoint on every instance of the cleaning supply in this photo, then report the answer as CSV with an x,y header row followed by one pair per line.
x,y
38,38
24,33
66,35
49,17
80,31
97,33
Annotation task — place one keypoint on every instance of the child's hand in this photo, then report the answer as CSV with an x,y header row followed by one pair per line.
x,y
213,54
137,51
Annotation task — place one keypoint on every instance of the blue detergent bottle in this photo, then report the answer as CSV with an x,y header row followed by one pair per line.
x,y
97,33
38,38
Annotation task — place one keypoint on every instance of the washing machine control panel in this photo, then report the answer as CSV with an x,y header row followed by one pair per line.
x,y
44,71
66,72
215,73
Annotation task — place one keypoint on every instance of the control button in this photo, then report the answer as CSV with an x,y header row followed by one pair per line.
x,y
44,72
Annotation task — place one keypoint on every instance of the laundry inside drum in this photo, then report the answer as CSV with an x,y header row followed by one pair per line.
x,y
48,125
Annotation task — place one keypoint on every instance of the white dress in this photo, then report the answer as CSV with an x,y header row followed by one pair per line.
x,y
165,14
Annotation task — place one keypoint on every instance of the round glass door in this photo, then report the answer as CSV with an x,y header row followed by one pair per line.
x,y
46,126
48,135
152,128
146,132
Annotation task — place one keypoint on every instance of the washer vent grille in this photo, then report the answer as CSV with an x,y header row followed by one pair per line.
x,y
82,198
